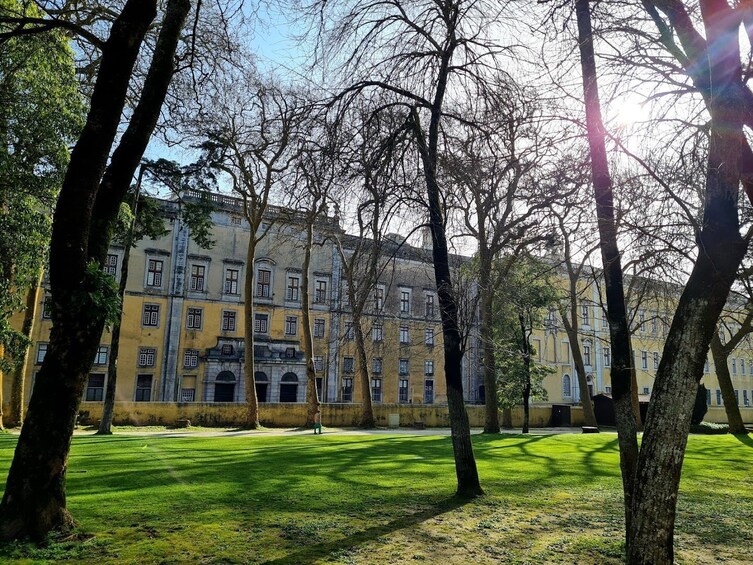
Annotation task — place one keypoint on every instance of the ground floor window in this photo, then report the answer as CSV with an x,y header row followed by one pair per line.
x,y
289,388
347,394
376,390
403,390
429,391
95,388
143,388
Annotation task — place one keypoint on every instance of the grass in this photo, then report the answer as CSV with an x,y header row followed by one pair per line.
x,y
378,499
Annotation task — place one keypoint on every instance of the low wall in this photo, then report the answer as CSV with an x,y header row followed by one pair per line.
x,y
293,415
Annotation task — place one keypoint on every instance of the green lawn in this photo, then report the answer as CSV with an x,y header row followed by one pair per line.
x,y
379,499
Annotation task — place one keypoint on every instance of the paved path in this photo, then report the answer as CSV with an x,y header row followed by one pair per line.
x,y
203,432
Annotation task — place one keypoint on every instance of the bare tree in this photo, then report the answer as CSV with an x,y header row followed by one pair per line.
x,y
251,131
422,54
489,166
373,170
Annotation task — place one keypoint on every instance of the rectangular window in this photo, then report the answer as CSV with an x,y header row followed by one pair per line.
x,y
261,323
193,319
197,277
318,363
646,390
231,281
734,366
718,397
348,364
429,391
654,325
708,397
429,336
404,334
746,400
403,366
293,292
319,327
111,264
150,317
742,366
404,301
226,349
187,394
608,389
656,360
428,367
607,356
47,308
376,365
264,283
347,394
642,320
377,331
376,390
100,358
320,292
644,359
707,366
585,318
41,352
154,273
402,391
551,320
604,318
95,388
349,332
228,320
143,388
429,306
191,358
291,325
379,298
587,355
147,356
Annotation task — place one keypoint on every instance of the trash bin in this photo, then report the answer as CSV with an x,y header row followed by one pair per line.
x,y
393,420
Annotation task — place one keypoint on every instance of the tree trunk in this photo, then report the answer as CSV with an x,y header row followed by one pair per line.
x,y
367,409
634,400
491,420
249,375
527,372
2,378
622,358
720,355
312,394
105,424
34,500
465,462
720,252
17,392
589,416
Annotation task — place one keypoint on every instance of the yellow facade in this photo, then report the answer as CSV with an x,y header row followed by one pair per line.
x,y
183,327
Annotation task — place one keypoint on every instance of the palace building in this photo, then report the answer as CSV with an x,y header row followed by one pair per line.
x,y
183,324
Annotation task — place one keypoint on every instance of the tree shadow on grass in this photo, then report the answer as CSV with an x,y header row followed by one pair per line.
x,y
745,439
317,552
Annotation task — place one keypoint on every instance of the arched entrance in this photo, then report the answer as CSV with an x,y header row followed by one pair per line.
x,y
224,387
289,387
262,386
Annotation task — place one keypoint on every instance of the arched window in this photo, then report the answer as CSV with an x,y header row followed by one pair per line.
x,y
262,386
289,388
566,389
224,387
